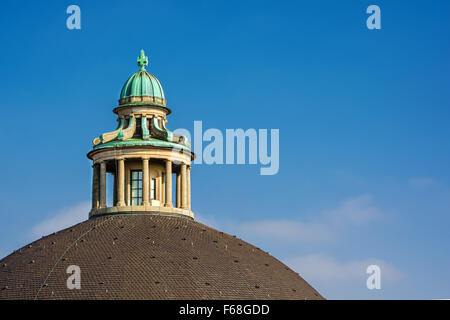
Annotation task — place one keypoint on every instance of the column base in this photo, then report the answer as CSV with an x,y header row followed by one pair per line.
x,y
141,210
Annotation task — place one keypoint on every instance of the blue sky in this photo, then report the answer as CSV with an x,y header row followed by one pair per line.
x,y
363,118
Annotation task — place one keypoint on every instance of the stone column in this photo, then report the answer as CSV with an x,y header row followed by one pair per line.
x,y
183,187
178,191
145,182
168,184
121,183
188,178
95,185
102,184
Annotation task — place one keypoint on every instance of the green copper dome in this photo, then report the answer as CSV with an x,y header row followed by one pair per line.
x,y
142,83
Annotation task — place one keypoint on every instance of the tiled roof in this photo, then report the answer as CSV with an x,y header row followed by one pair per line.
x,y
147,257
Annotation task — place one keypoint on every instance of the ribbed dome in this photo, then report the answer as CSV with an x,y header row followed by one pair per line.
x,y
142,84
143,256
142,87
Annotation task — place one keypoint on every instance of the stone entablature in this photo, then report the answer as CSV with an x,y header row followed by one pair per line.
x,y
142,110
176,156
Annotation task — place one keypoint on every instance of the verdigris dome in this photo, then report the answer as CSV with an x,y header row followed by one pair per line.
x,y
142,86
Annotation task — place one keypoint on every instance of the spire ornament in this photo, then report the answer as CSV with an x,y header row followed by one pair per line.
x,y
142,60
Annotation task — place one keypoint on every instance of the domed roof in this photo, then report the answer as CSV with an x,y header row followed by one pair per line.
x,y
143,84
147,256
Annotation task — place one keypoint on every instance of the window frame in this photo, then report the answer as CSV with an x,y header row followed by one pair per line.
x,y
153,189
138,188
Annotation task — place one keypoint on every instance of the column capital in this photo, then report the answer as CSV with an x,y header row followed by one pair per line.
x,y
99,162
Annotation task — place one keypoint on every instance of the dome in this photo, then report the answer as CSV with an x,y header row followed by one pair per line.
x,y
147,256
142,84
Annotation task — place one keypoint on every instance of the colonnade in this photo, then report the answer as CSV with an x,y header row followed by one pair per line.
x,y
183,184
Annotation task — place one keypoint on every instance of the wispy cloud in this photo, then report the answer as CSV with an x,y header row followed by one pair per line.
x,y
422,182
326,226
343,279
286,230
319,267
354,211
63,219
